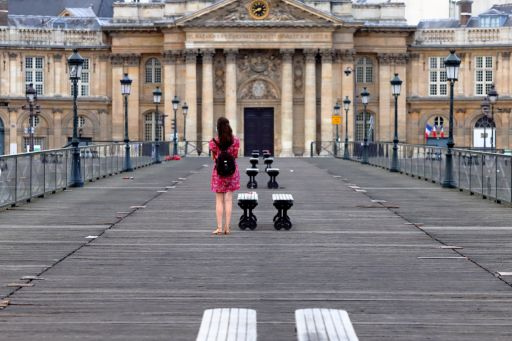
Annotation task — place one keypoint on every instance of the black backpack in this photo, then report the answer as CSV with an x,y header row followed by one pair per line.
x,y
225,163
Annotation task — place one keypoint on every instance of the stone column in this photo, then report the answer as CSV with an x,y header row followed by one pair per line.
x,y
326,98
401,68
169,90
58,75
287,104
231,103
13,74
133,66
117,99
57,129
386,111
207,117
310,101
191,94
13,130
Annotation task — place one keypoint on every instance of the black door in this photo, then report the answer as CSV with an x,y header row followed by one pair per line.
x,y
258,130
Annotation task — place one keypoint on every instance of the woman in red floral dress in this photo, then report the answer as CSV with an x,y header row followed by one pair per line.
x,y
224,186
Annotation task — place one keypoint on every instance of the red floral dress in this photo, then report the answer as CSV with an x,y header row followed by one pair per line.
x,y
227,184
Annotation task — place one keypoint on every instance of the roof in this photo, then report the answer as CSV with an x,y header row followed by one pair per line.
x,y
101,8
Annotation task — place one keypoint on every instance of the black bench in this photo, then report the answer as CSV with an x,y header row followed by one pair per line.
x,y
283,202
272,173
252,172
254,162
247,202
268,162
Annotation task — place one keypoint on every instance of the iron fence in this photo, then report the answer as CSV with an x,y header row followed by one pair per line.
x,y
29,175
485,173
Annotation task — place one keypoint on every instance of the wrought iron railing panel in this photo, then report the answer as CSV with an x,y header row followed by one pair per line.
x,y
488,174
24,176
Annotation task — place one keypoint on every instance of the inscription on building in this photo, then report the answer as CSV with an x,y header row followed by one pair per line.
x,y
254,36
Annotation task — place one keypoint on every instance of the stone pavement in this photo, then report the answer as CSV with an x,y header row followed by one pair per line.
x,y
376,244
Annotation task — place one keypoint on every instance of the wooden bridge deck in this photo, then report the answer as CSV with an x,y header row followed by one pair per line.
x,y
376,244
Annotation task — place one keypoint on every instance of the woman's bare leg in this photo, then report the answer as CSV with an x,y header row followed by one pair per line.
x,y
228,207
219,210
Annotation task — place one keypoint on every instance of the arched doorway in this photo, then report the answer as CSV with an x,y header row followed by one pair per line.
x,y
2,137
484,133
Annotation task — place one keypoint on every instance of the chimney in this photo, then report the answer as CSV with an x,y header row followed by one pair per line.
x,y
464,11
3,13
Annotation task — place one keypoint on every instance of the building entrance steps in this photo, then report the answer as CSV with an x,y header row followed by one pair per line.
x,y
133,259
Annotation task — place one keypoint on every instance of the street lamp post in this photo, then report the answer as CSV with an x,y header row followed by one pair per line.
x,y
337,124
365,95
126,87
184,108
485,105
175,104
157,97
346,106
493,97
75,65
31,95
396,84
452,64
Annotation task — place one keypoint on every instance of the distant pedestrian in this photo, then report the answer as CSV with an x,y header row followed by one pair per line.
x,y
225,176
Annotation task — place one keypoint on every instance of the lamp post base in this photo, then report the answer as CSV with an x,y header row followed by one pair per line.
x,y
76,177
448,181
127,160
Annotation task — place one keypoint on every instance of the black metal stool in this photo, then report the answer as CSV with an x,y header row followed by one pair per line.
x,y
255,153
272,173
268,162
248,202
283,202
254,162
252,172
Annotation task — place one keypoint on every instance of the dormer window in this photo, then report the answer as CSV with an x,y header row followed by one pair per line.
x,y
492,20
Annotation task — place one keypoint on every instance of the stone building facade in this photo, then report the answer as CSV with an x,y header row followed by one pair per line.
x,y
275,68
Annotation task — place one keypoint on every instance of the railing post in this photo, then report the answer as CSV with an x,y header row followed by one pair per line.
x,y
482,173
470,172
496,176
311,149
44,174
16,180
30,180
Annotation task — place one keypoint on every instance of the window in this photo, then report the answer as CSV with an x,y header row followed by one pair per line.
x,y
150,125
81,121
483,75
153,71
364,70
83,83
437,77
485,122
34,73
38,141
492,20
369,126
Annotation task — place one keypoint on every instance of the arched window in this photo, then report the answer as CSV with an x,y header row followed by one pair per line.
x,y
364,70
370,126
152,125
485,122
82,121
153,71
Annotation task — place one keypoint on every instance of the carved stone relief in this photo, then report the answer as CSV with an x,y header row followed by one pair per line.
x,y
298,76
259,64
258,89
219,69
237,11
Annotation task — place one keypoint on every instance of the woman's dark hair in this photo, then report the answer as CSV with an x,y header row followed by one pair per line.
x,y
225,133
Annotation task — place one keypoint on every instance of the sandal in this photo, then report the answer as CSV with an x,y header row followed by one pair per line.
x,y
227,230
217,231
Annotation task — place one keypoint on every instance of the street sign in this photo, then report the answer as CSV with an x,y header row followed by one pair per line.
x,y
336,119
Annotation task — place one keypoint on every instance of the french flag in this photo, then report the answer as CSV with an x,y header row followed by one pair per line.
x,y
428,131
442,131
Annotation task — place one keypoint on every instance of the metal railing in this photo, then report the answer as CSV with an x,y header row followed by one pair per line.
x,y
29,175
485,173
194,148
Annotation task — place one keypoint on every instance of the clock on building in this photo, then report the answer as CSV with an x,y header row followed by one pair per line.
x,y
259,9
